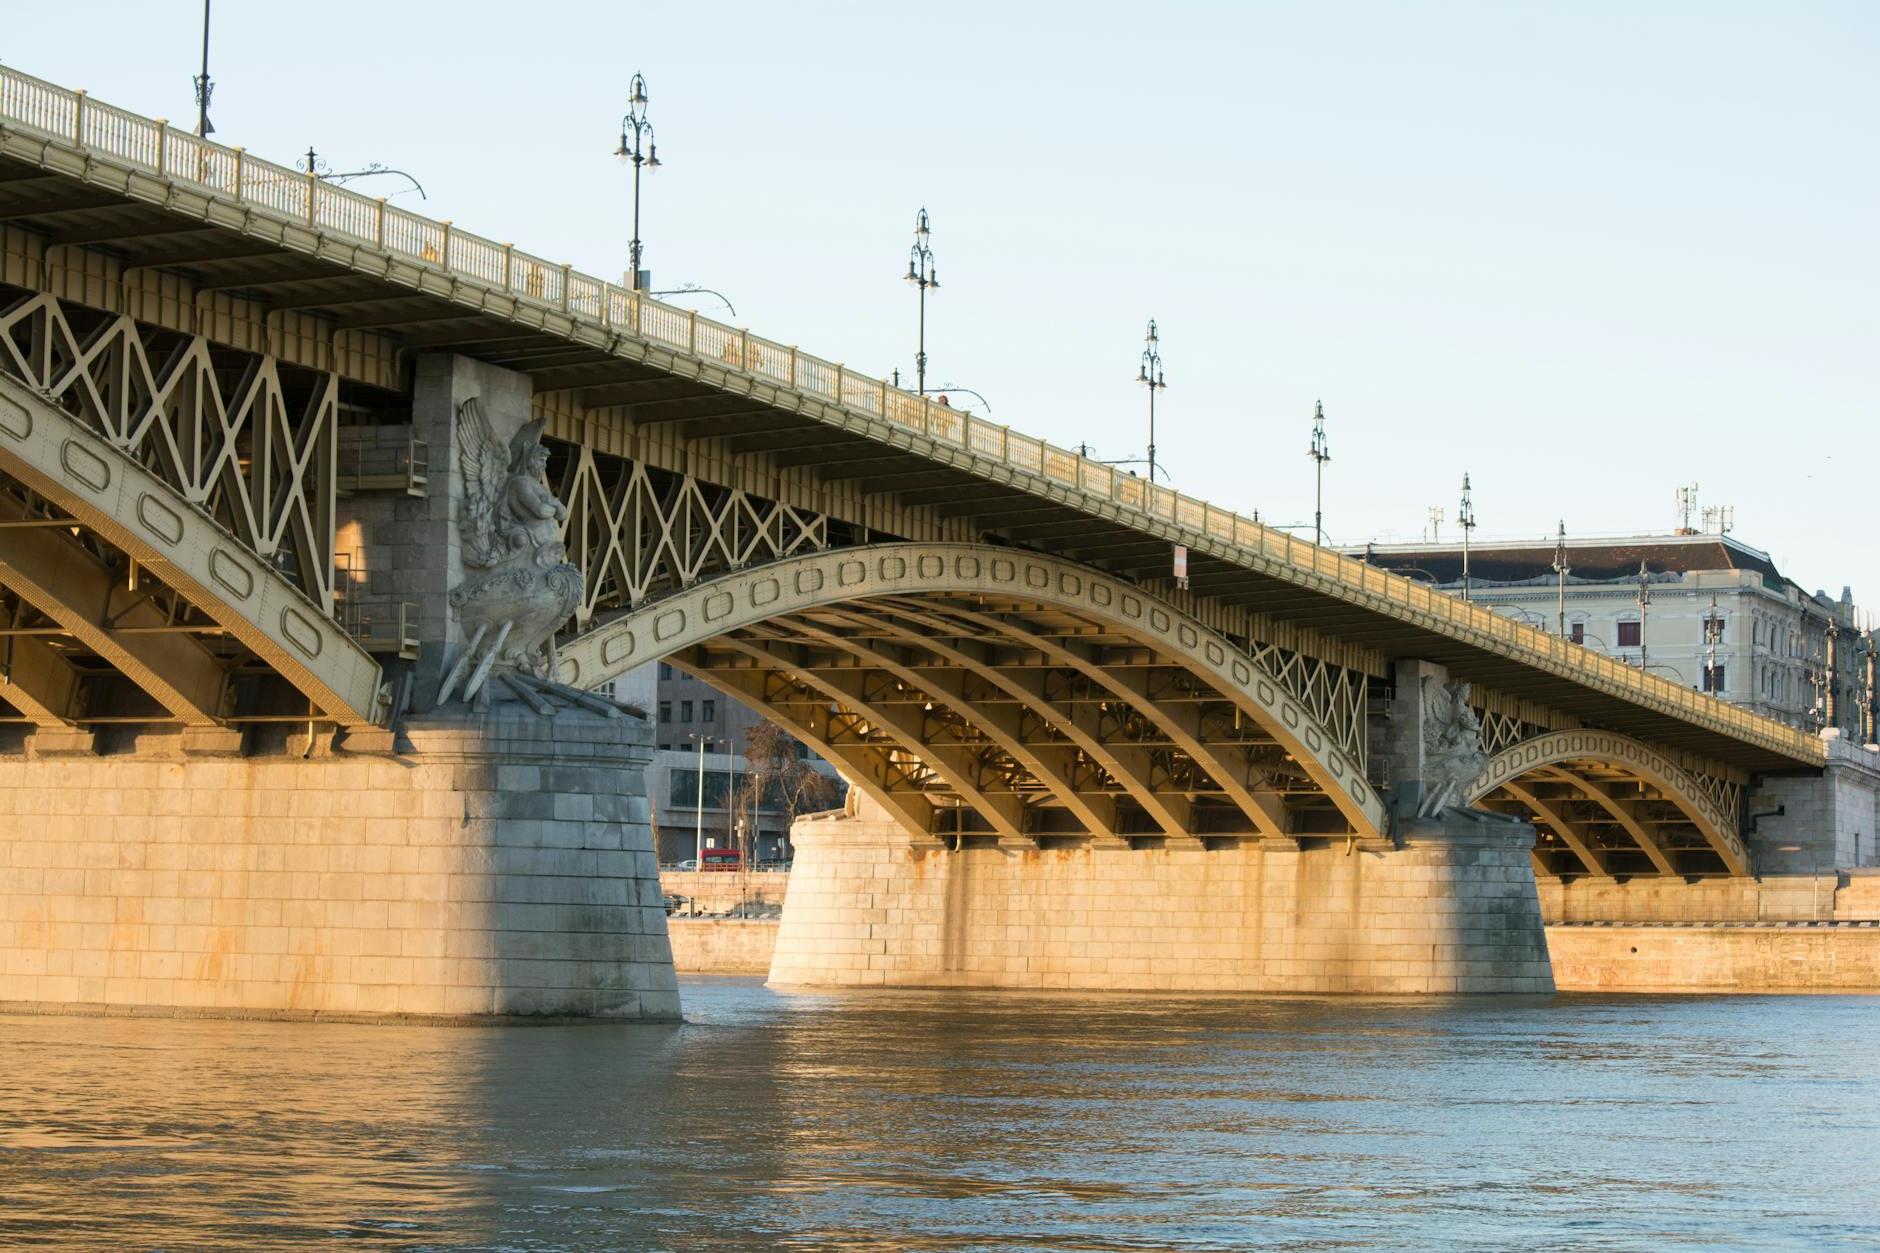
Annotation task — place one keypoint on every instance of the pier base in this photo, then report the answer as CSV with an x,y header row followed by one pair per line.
x,y
500,870
1452,910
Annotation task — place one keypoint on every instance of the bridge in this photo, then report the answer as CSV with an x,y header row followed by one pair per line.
x,y
228,447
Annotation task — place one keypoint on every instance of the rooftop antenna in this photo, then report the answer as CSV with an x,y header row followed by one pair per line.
x,y
1720,519
1433,529
1687,505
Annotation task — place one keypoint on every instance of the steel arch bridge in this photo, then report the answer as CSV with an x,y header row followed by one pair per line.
x,y
196,345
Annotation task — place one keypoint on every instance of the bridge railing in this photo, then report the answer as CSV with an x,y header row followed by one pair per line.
x,y
300,196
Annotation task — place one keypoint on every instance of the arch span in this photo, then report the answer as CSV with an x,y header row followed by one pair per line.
x,y
1612,806
1005,678
104,490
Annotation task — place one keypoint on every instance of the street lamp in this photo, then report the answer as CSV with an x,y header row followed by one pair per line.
x,y
634,124
922,274
1466,520
1560,570
1320,453
205,87
1149,374
1644,608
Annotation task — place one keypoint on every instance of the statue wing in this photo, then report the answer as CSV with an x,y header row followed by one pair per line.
x,y
485,464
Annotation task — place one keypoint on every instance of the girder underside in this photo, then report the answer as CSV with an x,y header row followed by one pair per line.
x,y
971,716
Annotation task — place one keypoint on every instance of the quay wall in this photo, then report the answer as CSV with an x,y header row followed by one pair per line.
x,y
501,869
1743,957
722,946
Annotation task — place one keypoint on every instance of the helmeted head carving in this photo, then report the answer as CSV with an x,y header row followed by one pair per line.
x,y
526,454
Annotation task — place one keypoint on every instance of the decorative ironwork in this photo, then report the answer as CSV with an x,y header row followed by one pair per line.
x,y
254,453
637,532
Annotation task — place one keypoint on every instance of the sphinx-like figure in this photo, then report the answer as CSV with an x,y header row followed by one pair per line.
x,y
521,586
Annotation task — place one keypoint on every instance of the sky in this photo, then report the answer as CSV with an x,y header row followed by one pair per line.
x,y
1587,253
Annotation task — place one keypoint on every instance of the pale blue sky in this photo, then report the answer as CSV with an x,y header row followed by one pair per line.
x,y
1588,252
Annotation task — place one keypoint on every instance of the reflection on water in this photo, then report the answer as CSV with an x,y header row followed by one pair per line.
x,y
961,1121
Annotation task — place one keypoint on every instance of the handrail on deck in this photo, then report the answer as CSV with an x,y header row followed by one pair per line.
x,y
158,148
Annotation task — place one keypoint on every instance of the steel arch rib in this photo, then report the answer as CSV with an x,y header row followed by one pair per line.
x,y
1558,748
747,597
866,768
68,463
1002,731
947,761
1125,763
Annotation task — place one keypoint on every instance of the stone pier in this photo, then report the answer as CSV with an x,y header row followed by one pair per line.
x,y
500,868
1452,910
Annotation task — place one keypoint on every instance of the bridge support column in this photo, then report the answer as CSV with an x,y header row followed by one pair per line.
x,y
500,870
1452,910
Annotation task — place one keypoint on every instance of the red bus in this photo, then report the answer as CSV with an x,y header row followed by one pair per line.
x,y
719,859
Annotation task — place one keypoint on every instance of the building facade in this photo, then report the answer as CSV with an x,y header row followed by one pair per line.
x,y
690,792
1704,610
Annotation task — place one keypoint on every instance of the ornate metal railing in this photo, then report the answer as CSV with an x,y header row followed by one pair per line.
x,y
154,146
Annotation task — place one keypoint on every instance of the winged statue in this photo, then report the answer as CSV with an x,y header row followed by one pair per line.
x,y
1452,748
521,586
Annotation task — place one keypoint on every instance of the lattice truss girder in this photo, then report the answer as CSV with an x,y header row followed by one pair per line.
x,y
1334,694
636,531
1013,721
225,429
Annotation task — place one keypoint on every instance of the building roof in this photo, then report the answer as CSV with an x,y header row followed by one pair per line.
x,y
1589,560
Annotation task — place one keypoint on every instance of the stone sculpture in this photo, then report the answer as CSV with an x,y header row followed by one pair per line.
x,y
1452,748
521,587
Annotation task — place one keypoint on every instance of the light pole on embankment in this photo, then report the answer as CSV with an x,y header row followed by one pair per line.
x,y
698,812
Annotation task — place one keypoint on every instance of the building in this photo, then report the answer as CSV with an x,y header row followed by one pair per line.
x,y
1704,610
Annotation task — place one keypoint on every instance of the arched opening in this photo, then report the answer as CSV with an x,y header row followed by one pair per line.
x,y
985,693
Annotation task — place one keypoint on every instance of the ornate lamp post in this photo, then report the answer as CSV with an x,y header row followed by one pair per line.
x,y
204,86
922,274
1466,520
1149,374
1561,568
1644,608
1320,453
633,129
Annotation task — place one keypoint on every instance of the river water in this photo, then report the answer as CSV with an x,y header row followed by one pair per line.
x,y
962,1121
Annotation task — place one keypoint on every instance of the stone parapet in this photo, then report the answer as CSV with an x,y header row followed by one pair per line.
x,y
503,869
1453,910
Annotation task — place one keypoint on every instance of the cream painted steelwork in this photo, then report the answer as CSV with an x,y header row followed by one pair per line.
x,y
1607,801
101,489
1179,714
626,361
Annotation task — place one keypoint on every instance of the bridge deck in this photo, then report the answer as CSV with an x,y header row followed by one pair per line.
x,y
354,283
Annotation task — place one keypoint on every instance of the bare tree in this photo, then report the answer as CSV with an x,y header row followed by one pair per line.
x,y
776,776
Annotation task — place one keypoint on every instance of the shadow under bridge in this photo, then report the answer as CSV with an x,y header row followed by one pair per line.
x,y
979,691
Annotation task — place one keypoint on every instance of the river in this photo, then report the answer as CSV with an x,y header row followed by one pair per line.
x,y
962,1121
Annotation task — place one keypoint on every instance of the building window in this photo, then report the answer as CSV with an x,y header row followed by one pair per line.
x,y
685,711
708,711
665,670
665,711
1577,632
1713,678
1628,635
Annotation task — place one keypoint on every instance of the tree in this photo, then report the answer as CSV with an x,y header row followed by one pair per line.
x,y
777,777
